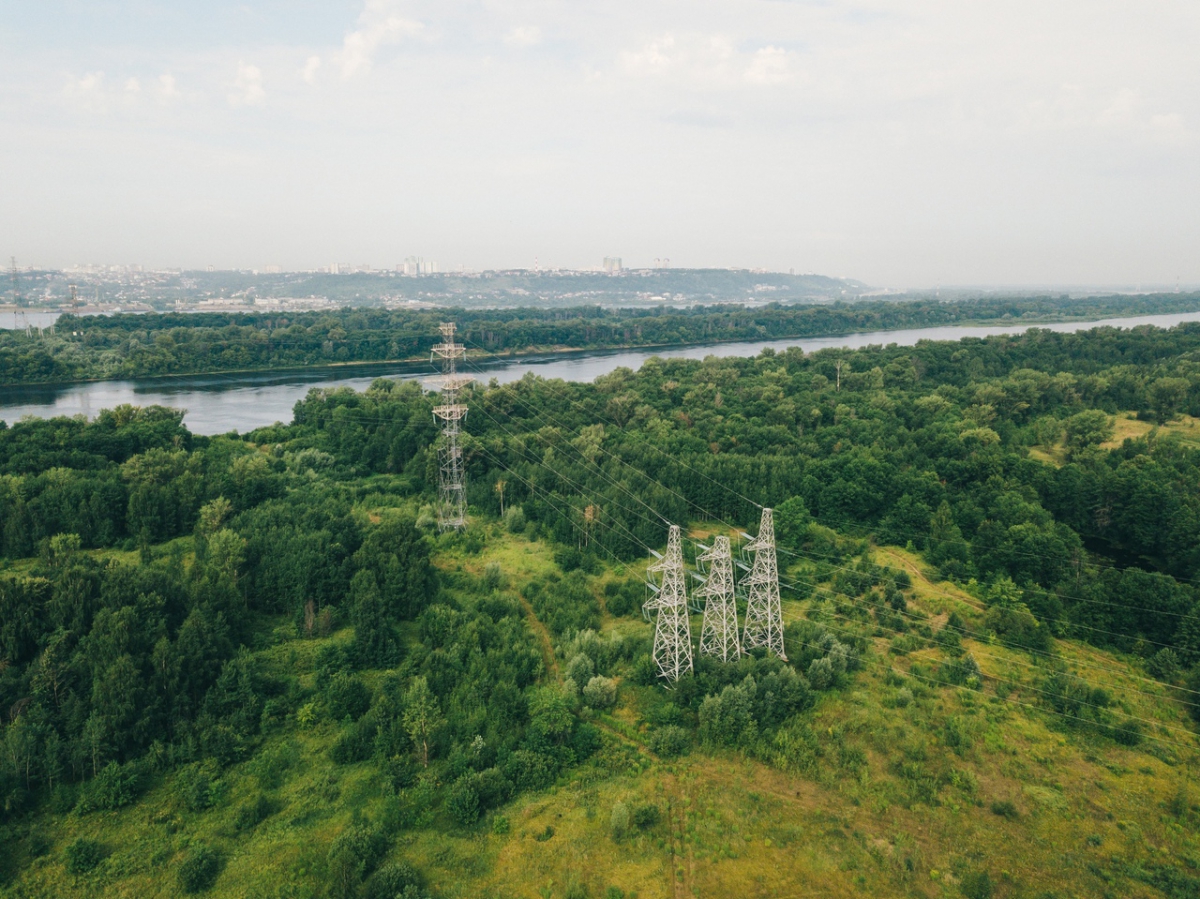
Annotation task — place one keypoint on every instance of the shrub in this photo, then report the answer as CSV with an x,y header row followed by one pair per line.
x,y
576,891
83,856
646,816
514,519
355,744
199,870
977,885
493,576
1005,809
254,813
820,674
197,789
1164,664
348,697
396,881
354,853
462,801
600,692
618,821
580,669
500,825
494,788
670,741
115,786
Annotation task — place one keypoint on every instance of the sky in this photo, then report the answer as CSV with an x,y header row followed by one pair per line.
x,y
905,144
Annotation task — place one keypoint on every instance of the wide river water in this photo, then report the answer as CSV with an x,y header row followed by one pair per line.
x,y
217,404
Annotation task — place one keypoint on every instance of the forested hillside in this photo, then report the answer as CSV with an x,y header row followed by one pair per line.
x,y
250,665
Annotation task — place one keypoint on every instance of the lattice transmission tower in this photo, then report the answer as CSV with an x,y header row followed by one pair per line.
x,y
719,634
452,479
672,628
764,615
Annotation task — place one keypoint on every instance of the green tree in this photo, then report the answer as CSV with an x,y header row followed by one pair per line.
x,y
422,717
1087,429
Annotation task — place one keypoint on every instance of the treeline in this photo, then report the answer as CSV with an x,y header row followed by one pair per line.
x,y
125,346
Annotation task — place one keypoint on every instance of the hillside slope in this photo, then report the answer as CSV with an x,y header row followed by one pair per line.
x,y
897,781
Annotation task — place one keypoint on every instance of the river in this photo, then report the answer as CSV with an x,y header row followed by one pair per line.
x,y
217,404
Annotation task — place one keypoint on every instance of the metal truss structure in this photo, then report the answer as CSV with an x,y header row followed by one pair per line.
x,y
719,634
764,615
672,628
452,479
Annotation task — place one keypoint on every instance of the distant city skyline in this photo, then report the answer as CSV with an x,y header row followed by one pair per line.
x,y
902,143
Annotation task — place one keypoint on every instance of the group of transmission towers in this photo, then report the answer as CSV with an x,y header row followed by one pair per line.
x,y
719,636
718,593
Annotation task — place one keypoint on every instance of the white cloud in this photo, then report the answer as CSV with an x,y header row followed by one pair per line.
x,y
311,65
380,24
770,65
167,91
1122,110
524,36
132,86
87,92
706,61
247,88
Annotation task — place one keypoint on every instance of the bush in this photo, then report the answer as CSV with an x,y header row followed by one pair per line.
x,y
396,881
348,697
600,692
462,801
354,853
1005,809
197,789
115,786
670,741
646,816
618,821
83,856
199,870
977,885
580,669
514,519
254,813
1164,664
355,744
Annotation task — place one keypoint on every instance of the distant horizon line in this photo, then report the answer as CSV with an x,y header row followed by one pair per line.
x,y
1125,288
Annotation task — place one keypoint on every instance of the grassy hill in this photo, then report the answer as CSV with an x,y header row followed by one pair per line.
x,y
1060,771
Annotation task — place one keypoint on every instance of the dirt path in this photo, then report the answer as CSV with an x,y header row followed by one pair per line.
x,y
543,635
919,575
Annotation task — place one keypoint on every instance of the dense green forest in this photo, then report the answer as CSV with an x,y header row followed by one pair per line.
x,y
123,346
219,655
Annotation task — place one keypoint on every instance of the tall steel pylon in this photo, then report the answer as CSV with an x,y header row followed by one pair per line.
x,y
719,635
672,628
764,615
452,482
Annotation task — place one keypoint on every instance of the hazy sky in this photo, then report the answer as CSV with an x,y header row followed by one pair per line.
x,y
901,143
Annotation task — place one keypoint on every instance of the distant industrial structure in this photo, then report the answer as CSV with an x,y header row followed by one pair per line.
x,y
415,265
